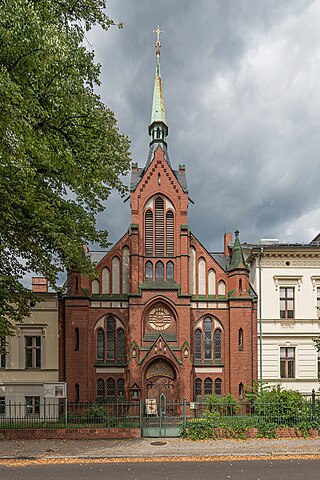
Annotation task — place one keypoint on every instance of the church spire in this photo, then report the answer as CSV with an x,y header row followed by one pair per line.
x,y
158,129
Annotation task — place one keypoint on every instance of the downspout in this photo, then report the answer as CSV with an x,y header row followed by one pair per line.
x,y
260,314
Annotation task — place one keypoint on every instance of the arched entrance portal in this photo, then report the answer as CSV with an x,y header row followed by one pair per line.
x,y
160,377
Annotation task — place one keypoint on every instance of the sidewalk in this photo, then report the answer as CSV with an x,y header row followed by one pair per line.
x,y
155,447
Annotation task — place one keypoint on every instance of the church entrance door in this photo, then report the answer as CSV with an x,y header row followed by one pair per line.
x,y
163,413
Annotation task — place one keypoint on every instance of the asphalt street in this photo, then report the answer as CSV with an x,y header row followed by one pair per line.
x,y
237,470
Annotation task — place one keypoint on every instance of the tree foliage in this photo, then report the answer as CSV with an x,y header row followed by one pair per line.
x,y
60,150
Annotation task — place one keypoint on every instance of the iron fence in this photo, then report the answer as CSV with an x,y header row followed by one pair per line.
x,y
219,412
56,414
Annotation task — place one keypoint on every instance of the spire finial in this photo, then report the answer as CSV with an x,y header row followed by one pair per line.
x,y
158,44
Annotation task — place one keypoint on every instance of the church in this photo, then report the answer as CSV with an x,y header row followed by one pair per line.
x,y
164,316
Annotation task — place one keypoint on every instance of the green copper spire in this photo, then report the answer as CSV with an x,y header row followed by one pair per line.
x,y
237,260
158,129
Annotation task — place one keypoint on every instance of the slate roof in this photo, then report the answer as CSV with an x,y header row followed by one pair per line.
x,y
222,259
136,176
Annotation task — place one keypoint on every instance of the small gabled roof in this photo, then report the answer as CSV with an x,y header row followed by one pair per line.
x,y
237,259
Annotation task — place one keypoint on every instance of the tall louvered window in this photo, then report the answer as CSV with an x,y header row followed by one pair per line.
x,y
170,234
159,230
149,233
110,338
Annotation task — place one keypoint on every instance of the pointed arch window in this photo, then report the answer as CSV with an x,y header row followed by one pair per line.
x,y
120,335
110,338
198,387
111,388
149,271
207,327
217,344
100,344
198,341
95,287
100,388
159,271
105,277
241,390
170,271
120,387
76,339
208,386
218,386
221,288
149,233
159,230
170,233
76,393
240,339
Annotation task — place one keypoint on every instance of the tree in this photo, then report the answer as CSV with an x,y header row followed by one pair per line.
x,y
60,149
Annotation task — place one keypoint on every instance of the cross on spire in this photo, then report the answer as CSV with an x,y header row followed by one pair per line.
x,y
158,44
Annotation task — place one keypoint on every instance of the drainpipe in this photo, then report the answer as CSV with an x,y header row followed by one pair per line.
x,y
260,314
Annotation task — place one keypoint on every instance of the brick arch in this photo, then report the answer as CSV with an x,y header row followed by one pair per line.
x,y
161,375
159,317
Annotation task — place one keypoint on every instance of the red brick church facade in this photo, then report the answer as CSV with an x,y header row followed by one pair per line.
x,y
163,315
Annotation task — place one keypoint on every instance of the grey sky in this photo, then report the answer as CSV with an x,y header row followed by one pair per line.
x,y
241,85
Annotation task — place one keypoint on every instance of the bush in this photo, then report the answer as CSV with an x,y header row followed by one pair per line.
x,y
221,406
285,407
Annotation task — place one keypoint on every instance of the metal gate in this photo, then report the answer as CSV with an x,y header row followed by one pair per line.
x,y
164,419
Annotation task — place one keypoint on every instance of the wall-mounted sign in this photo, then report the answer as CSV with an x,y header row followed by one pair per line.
x,y
55,390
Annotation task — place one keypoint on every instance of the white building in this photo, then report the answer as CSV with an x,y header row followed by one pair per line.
x,y
32,357
286,278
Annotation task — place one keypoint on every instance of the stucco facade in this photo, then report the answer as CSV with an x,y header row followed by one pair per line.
x,y
286,278
32,357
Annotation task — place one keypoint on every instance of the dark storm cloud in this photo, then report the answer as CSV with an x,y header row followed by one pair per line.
x,y
241,85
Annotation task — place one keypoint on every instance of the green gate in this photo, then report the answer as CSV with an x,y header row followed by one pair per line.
x,y
163,420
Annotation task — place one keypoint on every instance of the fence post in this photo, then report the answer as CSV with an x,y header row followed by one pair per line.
x,y
313,405
141,410
184,413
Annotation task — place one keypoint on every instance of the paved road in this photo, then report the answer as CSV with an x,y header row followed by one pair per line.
x,y
238,470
